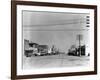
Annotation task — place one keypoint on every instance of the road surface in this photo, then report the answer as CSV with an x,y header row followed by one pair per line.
x,y
54,61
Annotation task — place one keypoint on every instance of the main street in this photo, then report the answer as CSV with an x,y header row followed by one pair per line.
x,y
54,61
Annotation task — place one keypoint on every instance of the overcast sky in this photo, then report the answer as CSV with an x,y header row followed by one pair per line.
x,y
59,29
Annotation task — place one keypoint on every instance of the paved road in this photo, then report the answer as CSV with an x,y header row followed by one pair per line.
x,y
54,61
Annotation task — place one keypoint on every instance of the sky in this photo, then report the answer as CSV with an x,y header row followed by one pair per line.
x,y
59,29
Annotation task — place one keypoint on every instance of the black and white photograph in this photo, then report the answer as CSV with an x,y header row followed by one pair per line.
x,y
53,39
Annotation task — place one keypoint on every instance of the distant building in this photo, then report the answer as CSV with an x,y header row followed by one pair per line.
x,y
35,45
43,48
26,44
77,51
83,48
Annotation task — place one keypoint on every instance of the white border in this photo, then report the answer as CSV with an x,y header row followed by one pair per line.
x,y
54,70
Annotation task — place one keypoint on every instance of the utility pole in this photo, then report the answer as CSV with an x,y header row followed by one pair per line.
x,y
79,37
79,45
